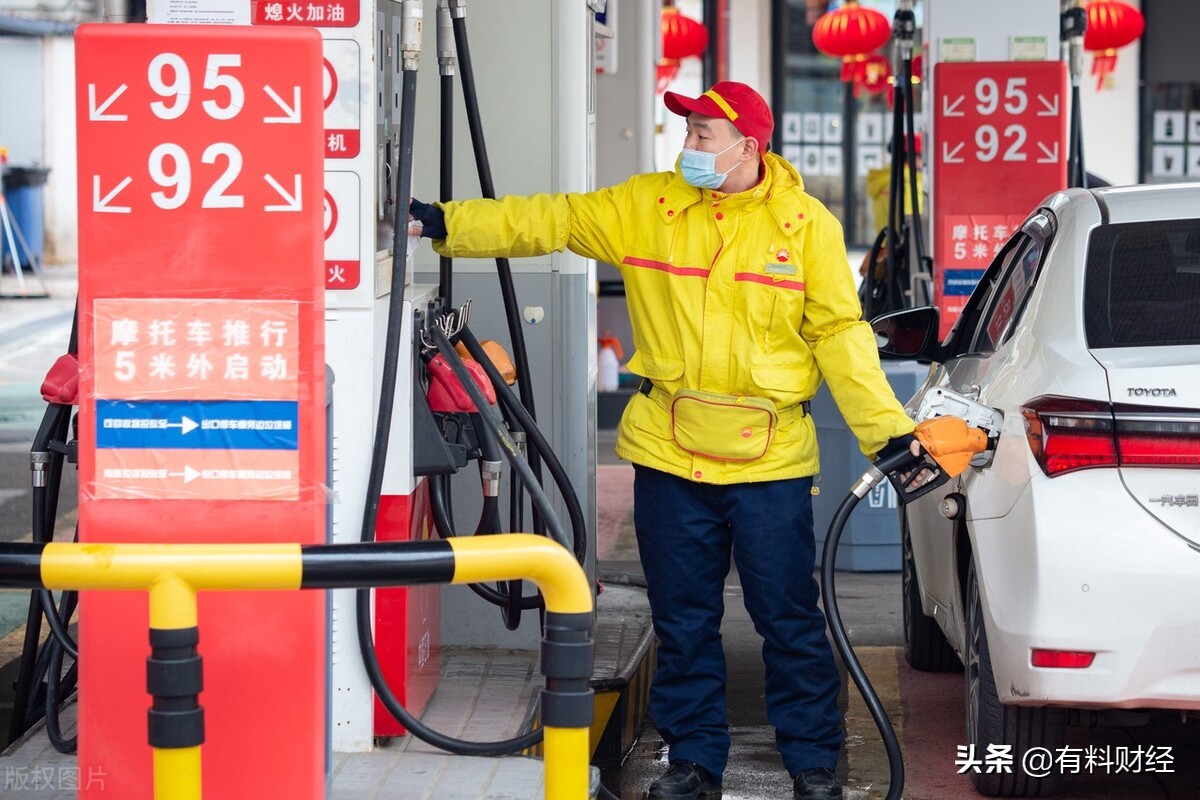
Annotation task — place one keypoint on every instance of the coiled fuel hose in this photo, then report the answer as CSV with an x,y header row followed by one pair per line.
x,y
891,743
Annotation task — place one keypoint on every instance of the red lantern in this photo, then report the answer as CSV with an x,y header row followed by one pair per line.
x,y
683,37
851,32
1111,24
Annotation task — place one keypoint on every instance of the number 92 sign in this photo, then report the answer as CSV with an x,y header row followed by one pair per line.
x,y
999,131
192,127
1001,134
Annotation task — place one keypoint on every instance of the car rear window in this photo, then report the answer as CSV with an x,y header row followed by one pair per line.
x,y
1142,285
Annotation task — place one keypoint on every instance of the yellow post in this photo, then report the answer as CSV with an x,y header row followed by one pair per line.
x,y
176,770
551,566
174,573
568,596
566,749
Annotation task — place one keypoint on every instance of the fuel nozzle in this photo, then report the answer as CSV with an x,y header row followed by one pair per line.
x,y
951,442
947,445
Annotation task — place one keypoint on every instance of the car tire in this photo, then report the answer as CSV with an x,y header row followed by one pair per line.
x,y
1017,728
925,646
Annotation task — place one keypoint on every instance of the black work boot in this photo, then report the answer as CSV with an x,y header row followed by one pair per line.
x,y
685,781
816,784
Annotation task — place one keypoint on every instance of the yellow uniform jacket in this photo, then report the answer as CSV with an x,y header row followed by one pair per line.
x,y
737,294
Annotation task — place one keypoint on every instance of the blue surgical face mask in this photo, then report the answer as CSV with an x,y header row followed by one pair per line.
x,y
699,168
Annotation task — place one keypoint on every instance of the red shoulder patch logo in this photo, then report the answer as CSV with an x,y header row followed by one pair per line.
x,y
782,254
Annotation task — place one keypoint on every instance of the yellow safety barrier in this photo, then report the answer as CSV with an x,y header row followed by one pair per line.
x,y
174,573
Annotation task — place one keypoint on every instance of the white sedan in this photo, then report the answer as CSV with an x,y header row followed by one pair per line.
x,y
1062,569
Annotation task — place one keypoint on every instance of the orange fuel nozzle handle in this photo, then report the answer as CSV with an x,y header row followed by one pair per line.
x,y
950,442
498,355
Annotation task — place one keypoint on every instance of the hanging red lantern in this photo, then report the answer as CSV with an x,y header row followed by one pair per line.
x,y
851,33
682,37
1111,25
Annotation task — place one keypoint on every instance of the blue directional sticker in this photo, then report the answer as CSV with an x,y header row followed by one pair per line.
x,y
198,425
960,282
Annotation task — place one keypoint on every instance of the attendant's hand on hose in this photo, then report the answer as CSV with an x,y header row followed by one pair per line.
x,y
432,219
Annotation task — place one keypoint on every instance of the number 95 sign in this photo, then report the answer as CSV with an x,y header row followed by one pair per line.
x,y
196,128
1000,133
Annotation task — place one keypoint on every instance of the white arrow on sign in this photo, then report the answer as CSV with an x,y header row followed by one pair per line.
x,y
188,474
291,113
1051,109
186,425
1051,155
101,204
96,112
951,156
951,109
294,201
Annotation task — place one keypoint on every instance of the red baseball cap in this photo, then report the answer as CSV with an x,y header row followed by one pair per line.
x,y
730,100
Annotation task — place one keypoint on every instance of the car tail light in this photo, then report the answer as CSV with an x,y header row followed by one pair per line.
x,y
1063,659
1067,434
1158,438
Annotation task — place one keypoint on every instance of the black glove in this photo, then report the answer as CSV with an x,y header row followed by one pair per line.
x,y
432,219
900,444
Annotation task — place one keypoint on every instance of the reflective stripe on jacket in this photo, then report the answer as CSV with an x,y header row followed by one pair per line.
x,y
740,294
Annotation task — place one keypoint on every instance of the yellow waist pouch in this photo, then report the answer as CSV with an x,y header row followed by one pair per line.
x,y
722,426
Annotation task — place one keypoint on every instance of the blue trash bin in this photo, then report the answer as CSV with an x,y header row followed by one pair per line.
x,y
24,190
871,539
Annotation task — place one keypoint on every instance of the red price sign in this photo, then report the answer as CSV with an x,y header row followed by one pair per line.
x,y
202,389
192,136
1001,131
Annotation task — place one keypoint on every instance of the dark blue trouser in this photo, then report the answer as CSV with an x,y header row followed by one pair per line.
x,y
685,534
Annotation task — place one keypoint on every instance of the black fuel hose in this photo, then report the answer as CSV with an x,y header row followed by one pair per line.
x,y
910,152
383,426
540,502
444,525
520,466
446,184
537,440
56,427
838,630
443,522
487,188
57,683
489,520
58,686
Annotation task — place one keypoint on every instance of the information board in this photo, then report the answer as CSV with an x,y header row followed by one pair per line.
x,y
1000,132
202,391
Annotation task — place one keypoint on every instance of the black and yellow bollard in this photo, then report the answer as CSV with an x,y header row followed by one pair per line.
x,y
174,573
